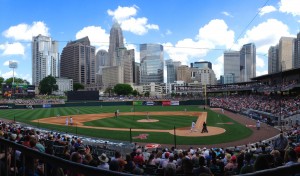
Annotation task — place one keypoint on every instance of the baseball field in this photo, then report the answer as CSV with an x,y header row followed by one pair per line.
x,y
142,124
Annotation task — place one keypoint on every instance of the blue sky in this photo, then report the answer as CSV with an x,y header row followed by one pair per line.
x,y
191,30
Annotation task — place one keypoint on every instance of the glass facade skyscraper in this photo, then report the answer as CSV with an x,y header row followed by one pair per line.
x,y
231,67
248,62
204,64
172,70
152,63
273,60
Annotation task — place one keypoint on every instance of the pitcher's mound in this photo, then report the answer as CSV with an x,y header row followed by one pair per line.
x,y
148,120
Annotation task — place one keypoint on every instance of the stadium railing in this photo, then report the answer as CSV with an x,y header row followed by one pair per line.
x,y
292,170
48,160
88,170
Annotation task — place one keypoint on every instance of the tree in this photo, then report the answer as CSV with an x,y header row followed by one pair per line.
x,y
47,85
147,94
1,81
109,91
135,93
16,80
173,94
77,86
123,89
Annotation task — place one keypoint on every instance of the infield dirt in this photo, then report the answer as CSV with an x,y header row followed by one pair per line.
x,y
185,131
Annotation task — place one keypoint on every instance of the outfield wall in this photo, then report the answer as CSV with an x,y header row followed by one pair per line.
x,y
116,103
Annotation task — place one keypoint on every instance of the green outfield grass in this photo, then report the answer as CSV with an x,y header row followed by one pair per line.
x,y
164,123
234,132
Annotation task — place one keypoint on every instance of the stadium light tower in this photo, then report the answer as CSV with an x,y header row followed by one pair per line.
x,y
13,65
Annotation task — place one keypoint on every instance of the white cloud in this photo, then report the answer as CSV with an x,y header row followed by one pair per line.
x,y
27,77
226,14
259,73
12,49
98,36
215,33
9,74
123,13
266,9
126,17
26,32
260,62
290,6
265,35
218,66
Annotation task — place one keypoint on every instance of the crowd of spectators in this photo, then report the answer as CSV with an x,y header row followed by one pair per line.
x,y
33,101
281,151
273,104
255,86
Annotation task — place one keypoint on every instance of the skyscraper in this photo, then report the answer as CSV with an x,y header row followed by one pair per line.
x,y
102,61
152,63
247,62
203,64
296,58
129,65
286,46
45,58
172,70
136,73
184,73
231,67
78,61
273,60
116,43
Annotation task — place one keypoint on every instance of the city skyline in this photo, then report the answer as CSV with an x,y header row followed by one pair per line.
x,y
189,32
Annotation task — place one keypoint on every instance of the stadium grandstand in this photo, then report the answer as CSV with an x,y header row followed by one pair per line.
x,y
274,99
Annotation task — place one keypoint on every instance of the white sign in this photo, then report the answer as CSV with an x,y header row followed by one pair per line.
x,y
13,64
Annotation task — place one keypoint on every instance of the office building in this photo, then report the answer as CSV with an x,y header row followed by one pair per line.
x,y
285,54
112,76
171,70
116,43
129,65
205,76
273,60
247,62
45,58
296,59
152,63
231,66
136,73
184,74
203,64
78,62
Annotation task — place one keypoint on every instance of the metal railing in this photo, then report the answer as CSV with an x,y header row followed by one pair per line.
x,y
56,162
292,170
48,160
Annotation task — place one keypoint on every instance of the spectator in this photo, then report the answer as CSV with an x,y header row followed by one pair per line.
x,y
202,169
103,161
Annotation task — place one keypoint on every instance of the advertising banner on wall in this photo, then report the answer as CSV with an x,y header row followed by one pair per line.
x,y
5,106
166,103
46,105
174,103
137,103
149,103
